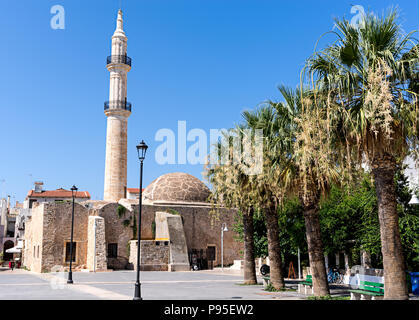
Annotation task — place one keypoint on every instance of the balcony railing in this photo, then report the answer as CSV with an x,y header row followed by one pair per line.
x,y
124,105
119,59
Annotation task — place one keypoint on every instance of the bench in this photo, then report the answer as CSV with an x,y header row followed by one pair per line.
x,y
368,291
306,283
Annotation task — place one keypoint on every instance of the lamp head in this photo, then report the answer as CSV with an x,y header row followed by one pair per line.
x,y
225,229
73,190
142,149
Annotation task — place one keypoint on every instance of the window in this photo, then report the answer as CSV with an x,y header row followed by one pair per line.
x,y
31,203
67,252
112,250
37,252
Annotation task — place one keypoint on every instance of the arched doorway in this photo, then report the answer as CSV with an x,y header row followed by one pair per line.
x,y
7,245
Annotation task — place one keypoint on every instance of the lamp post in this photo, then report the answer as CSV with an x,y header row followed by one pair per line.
x,y
141,149
223,229
299,265
70,273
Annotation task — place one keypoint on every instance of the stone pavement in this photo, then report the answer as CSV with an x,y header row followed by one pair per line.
x,y
20,284
119,285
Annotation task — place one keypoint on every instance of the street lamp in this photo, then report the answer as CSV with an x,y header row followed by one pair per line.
x,y
141,149
223,229
299,265
70,273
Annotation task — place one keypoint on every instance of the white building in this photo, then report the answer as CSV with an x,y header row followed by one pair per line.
x,y
133,193
7,228
39,195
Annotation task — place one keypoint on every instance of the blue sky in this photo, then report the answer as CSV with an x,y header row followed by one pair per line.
x,y
202,61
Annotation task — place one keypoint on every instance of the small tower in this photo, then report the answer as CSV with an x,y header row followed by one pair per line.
x,y
117,110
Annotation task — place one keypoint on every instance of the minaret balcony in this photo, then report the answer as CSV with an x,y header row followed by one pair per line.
x,y
121,59
119,105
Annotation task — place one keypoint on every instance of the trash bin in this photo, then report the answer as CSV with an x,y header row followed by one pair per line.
x,y
414,276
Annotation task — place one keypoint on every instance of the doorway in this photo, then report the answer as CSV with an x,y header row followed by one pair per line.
x,y
7,245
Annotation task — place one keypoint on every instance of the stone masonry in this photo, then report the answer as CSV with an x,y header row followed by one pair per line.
x,y
118,230
48,231
96,245
154,255
201,228
176,186
179,260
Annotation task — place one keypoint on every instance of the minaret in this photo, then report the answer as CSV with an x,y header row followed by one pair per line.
x,y
117,109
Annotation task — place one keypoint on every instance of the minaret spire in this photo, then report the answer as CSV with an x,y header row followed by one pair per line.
x,y
119,31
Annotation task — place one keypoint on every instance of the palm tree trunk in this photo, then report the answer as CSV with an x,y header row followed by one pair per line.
x,y
315,251
274,249
366,259
249,249
395,286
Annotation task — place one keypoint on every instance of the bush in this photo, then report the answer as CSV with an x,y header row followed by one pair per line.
x,y
120,211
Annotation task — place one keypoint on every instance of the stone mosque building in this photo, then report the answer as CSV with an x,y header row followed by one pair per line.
x,y
176,219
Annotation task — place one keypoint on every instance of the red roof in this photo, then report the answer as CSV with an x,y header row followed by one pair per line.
x,y
134,190
59,193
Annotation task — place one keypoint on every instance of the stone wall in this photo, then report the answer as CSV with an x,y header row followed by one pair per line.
x,y
201,228
32,252
154,255
162,229
96,248
57,232
179,259
50,229
116,232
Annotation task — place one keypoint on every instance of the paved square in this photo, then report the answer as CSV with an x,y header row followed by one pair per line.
x,y
201,285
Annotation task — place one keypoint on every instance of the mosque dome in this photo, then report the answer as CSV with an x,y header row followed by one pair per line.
x,y
177,186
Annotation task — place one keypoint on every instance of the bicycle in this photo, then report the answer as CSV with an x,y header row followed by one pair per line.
x,y
334,276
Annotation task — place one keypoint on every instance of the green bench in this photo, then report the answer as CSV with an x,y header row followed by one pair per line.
x,y
368,291
306,283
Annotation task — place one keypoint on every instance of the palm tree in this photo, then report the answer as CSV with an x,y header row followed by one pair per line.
x,y
267,189
369,79
249,267
230,188
309,169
